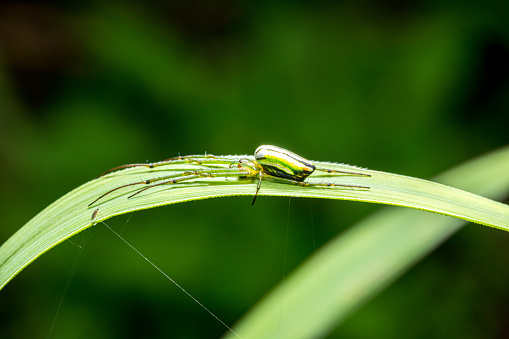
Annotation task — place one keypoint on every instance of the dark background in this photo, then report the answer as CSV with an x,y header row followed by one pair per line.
x,y
410,87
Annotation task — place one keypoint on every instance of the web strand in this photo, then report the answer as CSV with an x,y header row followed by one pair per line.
x,y
170,279
284,267
73,269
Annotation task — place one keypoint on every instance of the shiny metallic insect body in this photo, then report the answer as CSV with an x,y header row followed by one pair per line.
x,y
268,161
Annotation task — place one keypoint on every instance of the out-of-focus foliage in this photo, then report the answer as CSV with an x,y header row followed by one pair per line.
x,y
413,88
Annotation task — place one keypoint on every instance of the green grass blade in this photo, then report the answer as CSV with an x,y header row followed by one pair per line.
x,y
71,213
356,265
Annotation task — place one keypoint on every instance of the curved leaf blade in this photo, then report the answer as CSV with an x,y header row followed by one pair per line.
x,y
71,213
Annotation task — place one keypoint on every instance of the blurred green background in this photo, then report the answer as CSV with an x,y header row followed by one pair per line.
x,y
409,87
